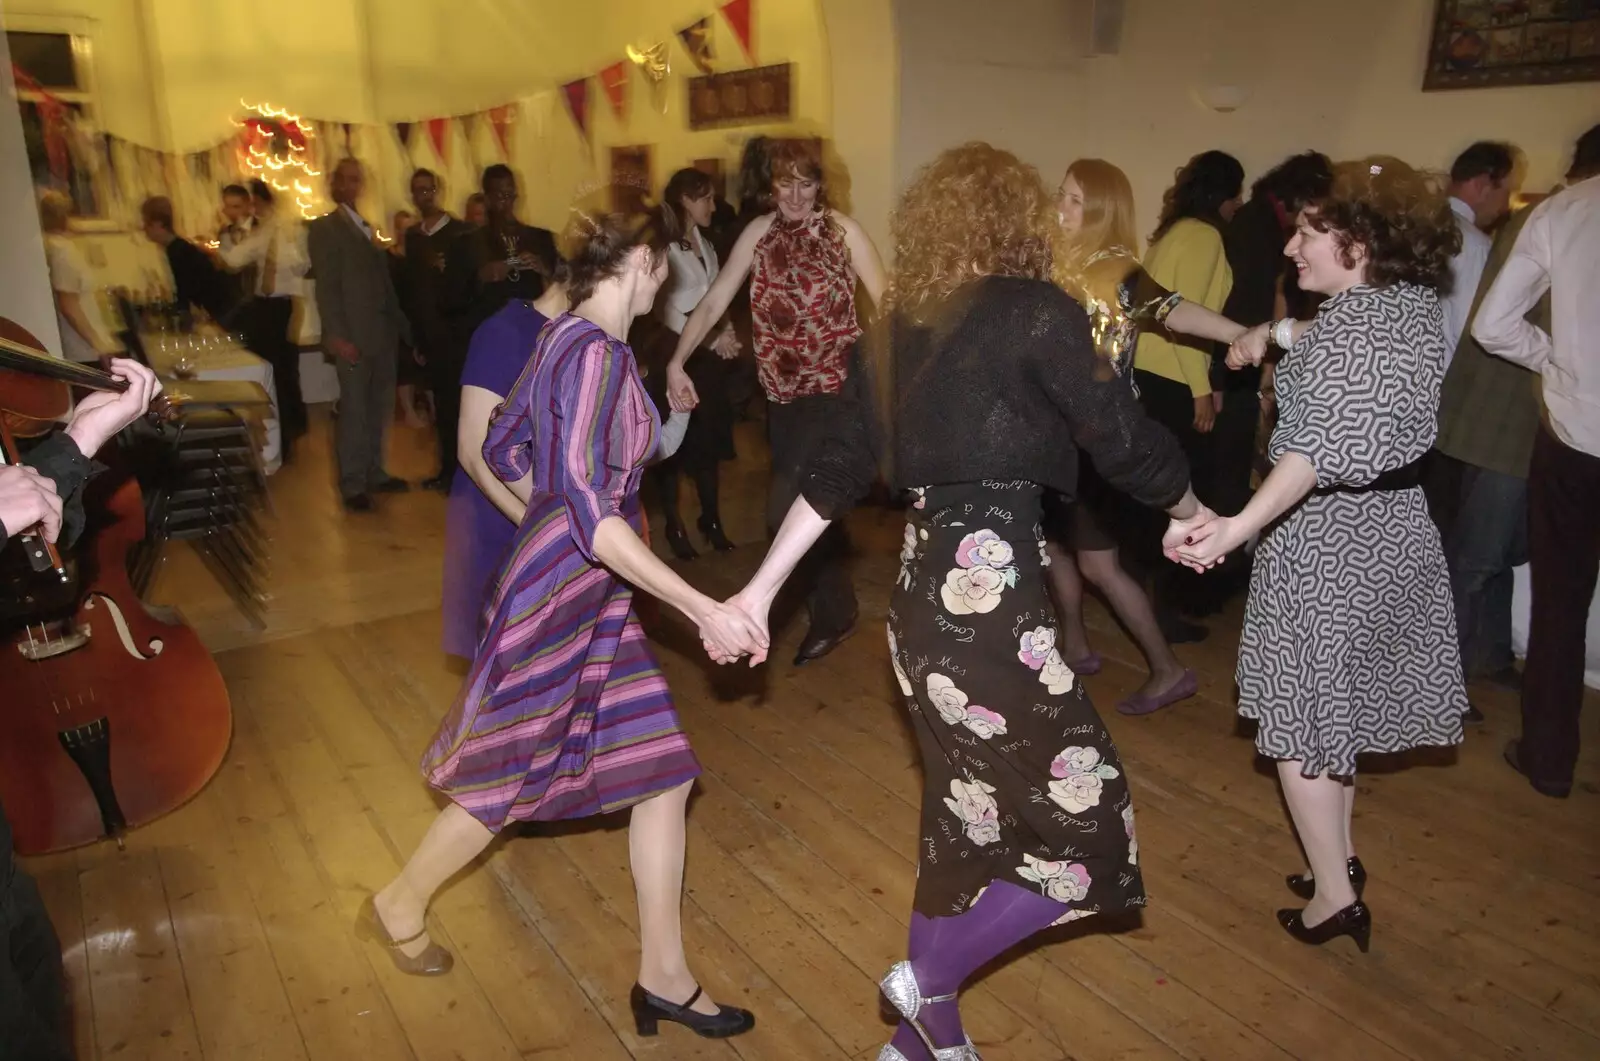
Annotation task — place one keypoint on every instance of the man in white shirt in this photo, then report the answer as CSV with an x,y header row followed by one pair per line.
x,y
1480,195
1557,251
272,249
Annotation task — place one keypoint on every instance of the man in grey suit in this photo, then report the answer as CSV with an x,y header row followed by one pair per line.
x,y
362,327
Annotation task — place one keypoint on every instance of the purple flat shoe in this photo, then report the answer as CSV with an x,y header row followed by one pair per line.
x,y
1138,704
1090,664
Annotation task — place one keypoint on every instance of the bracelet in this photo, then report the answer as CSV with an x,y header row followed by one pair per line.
x,y
1283,333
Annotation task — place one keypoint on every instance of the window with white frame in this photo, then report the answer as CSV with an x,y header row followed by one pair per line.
x,y
55,91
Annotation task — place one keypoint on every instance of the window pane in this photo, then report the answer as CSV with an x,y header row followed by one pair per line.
x,y
45,57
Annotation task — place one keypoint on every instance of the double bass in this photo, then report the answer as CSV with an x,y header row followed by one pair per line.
x,y
113,713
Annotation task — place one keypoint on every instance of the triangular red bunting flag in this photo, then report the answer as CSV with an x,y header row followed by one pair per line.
x,y
403,131
439,133
614,79
697,42
737,12
500,122
576,94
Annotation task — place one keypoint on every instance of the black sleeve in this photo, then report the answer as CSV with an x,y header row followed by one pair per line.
x,y
845,465
460,286
1131,452
58,459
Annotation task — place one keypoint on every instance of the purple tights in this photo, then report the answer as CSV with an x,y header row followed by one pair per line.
x,y
945,951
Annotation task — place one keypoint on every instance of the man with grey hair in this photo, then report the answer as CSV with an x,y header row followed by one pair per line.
x,y
362,328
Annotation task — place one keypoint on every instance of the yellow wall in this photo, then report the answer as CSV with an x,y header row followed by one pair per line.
x,y
1343,78
171,72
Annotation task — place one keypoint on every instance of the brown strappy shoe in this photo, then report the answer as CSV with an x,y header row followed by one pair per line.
x,y
434,961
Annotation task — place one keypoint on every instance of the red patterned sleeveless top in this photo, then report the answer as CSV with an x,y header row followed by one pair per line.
x,y
803,308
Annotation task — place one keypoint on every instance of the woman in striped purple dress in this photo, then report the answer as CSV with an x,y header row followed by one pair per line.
x,y
565,713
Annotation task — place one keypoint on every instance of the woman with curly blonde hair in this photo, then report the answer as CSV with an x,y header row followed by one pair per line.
x,y
1026,816
1349,642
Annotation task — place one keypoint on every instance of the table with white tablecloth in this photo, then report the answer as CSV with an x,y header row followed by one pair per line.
x,y
217,357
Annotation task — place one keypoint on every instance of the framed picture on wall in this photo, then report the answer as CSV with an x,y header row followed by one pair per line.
x,y
1491,43
741,97
630,179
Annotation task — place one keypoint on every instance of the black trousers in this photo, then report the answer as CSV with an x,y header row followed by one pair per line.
x,y
1564,550
33,999
444,379
266,331
794,431
1171,404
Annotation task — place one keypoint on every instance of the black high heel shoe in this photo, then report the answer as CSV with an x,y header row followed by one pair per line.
x,y
712,529
649,1010
678,542
1354,921
1306,887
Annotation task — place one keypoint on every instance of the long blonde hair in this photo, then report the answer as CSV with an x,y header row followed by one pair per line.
x,y
1110,227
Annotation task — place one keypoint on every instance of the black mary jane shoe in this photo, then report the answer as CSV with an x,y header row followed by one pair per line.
x,y
712,529
1354,921
1306,887
678,542
649,1011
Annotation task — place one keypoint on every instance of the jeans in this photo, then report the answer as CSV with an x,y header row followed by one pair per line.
x,y
1488,537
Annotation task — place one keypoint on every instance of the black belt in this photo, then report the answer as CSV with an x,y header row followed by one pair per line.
x,y
1406,478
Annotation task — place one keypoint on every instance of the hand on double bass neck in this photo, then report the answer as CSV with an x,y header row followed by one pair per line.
x,y
100,415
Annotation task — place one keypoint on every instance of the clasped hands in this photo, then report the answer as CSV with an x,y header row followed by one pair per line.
x,y
736,628
1202,541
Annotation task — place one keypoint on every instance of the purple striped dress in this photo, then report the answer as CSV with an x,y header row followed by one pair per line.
x,y
565,712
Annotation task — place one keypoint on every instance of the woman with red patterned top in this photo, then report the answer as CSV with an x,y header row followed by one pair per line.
x,y
803,260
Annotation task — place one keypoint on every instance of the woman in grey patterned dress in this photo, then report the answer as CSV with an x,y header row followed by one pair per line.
x,y
1349,641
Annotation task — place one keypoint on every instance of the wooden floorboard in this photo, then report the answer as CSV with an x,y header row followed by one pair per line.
x,y
223,931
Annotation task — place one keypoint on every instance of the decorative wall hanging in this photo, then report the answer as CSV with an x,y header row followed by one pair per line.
x,y
1490,43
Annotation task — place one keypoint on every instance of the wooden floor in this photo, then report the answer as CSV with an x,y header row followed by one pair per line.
x,y
223,931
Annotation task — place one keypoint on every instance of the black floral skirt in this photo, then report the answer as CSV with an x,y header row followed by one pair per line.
x,y
1021,780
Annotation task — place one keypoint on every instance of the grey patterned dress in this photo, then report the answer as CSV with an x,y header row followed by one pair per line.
x,y
1349,642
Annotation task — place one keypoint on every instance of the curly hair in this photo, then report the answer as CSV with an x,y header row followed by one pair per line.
x,y
1205,182
974,211
1398,215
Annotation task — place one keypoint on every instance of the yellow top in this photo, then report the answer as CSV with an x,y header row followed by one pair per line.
x,y
1190,260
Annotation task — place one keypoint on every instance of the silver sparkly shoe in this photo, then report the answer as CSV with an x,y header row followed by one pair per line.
x,y
900,987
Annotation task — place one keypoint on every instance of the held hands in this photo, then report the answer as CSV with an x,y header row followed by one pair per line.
x,y
726,345
1205,547
1250,347
728,631
103,413
28,499
1182,533
680,390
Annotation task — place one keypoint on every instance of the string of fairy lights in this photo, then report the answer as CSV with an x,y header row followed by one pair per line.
x,y
276,148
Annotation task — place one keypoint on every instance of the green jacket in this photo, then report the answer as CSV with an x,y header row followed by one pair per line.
x,y
1489,407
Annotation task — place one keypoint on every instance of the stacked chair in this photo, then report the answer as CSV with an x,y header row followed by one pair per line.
x,y
203,483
